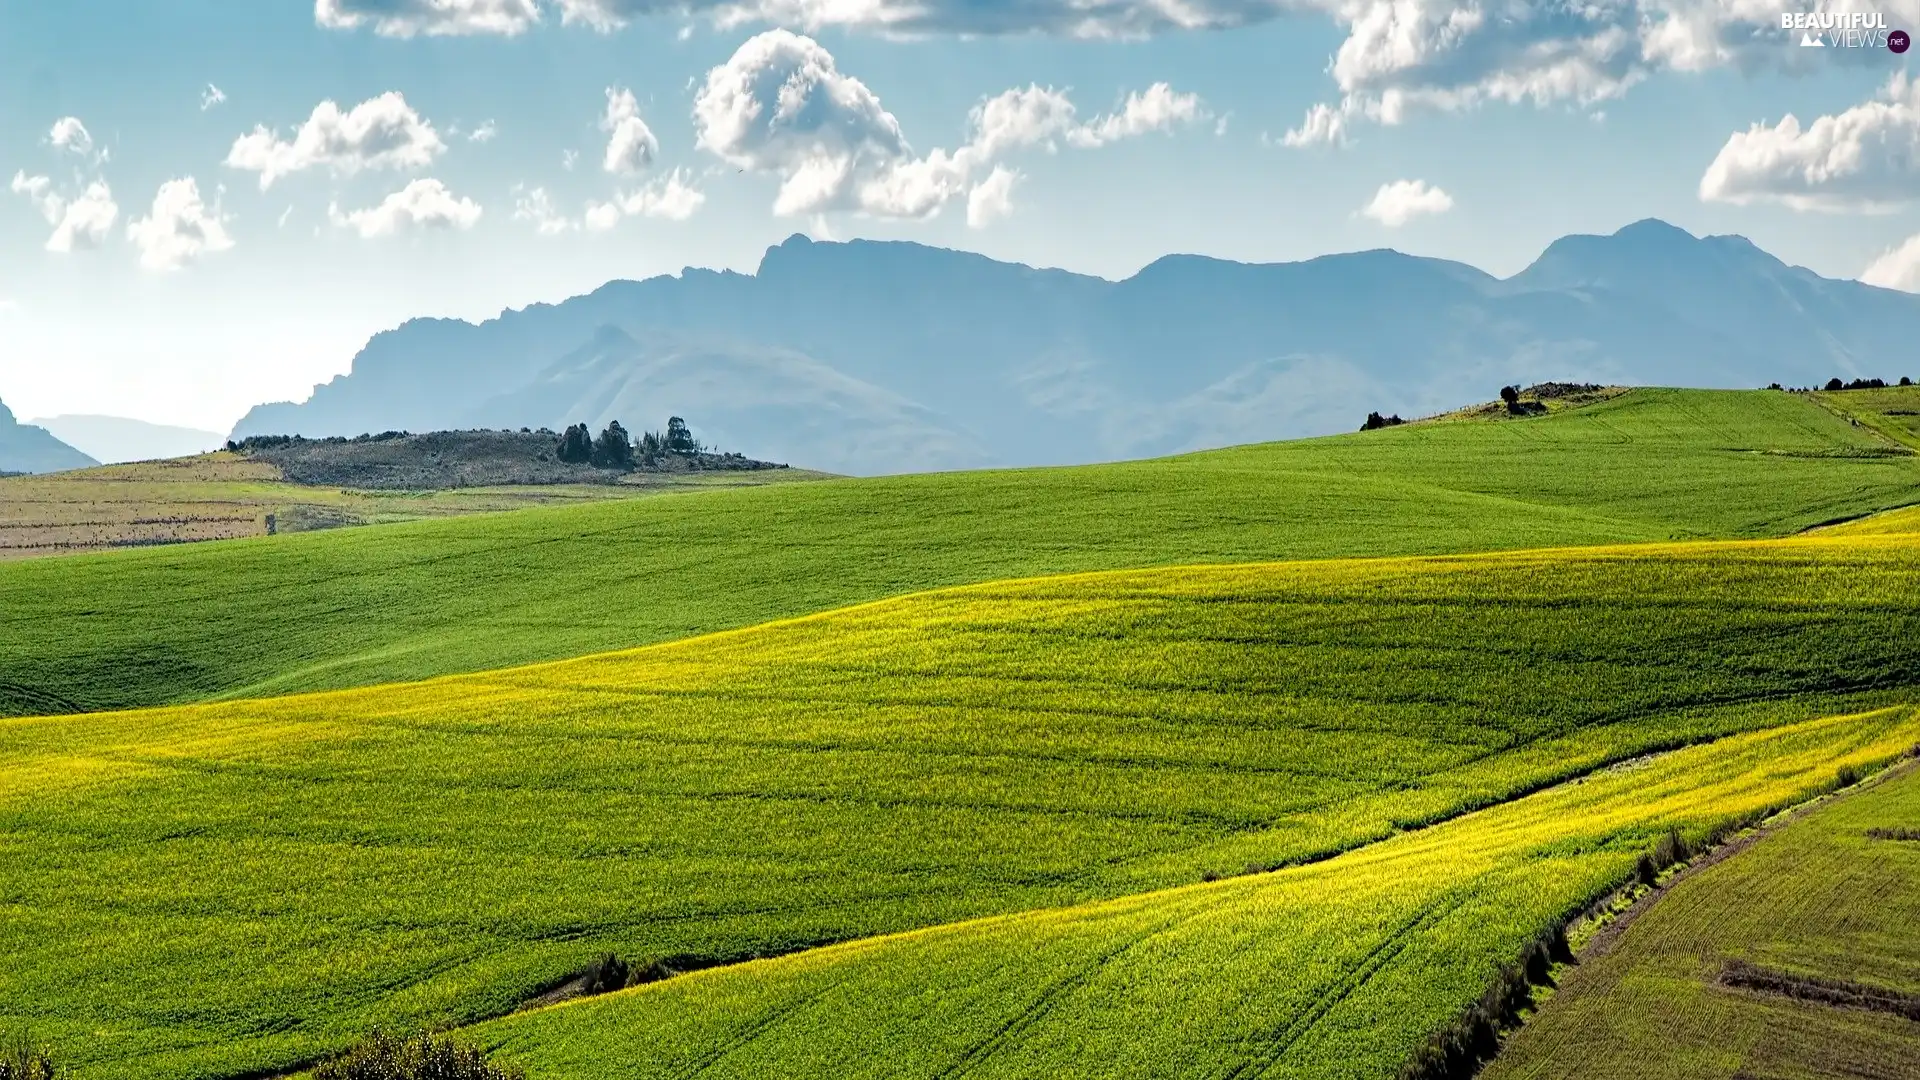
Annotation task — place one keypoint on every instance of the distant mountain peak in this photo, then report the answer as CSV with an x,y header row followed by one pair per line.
x,y
27,448
1653,227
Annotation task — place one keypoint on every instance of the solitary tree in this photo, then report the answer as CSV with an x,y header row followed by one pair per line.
x,y
679,439
1836,384
1906,380
1510,395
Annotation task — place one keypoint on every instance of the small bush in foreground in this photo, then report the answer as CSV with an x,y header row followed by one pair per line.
x,y
414,1057
1670,850
24,1061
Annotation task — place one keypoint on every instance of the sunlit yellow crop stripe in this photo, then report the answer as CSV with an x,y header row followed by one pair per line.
x,y
1331,970
898,626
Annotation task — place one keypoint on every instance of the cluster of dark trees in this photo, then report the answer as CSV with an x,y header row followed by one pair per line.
x,y
1516,407
1842,384
268,442
1375,421
613,448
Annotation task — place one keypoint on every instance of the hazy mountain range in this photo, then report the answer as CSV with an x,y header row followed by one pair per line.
x,y
25,448
870,357
111,439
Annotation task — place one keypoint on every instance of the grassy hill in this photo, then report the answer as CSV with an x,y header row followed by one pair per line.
x,y
347,608
1794,958
231,887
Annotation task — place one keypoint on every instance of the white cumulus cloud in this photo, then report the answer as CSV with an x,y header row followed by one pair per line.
x,y
80,221
1397,203
407,18
671,198
380,133
781,105
1021,117
1865,158
179,229
421,205
1897,267
992,198
1402,56
1158,108
211,96
1065,18
71,135
484,133
631,146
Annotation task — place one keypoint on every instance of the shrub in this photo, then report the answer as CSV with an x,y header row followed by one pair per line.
x,y
1670,850
1375,421
25,1061
1510,395
1836,384
1906,380
608,974
416,1057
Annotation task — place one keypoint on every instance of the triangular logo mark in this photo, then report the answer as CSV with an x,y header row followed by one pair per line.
x,y
1808,41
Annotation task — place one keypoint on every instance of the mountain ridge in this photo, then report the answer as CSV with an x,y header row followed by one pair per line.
x,y
25,448
880,356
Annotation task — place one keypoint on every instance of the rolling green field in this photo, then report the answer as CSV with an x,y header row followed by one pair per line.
x,y
356,607
1823,902
1334,971
219,888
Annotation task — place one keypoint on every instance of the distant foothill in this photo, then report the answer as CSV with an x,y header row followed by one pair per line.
x,y
401,460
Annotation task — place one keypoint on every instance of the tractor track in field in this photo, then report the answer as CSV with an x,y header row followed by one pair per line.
x,y
1356,977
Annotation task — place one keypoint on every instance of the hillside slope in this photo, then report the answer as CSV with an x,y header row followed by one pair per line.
x,y
231,887
868,357
315,611
25,448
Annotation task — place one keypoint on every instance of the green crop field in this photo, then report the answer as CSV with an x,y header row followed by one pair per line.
x,y
1893,412
1825,908
1332,971
221,888
355,607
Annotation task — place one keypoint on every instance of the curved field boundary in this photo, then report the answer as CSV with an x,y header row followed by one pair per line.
x,y
1333,970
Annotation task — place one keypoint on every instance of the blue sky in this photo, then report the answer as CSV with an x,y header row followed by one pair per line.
x,y
1138,128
